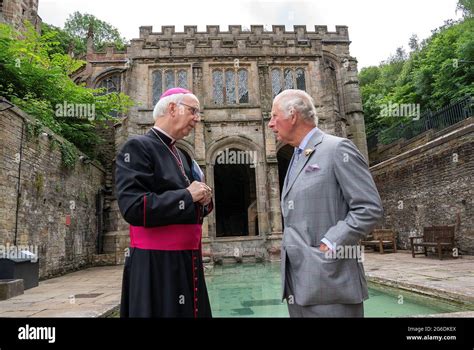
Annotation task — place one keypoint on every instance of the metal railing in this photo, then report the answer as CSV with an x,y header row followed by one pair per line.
x,y
441,119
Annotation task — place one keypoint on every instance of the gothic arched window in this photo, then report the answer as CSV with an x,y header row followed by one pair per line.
x,y
182,79
243,81
169,79
276,81
157,86
110,84
164,79
217,87
230,86
287,78
300,80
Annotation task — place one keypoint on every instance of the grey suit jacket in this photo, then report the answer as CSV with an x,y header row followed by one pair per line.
x,y
331,194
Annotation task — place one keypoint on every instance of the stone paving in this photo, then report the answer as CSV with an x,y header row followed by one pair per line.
x,y
92,292
95,292
451,279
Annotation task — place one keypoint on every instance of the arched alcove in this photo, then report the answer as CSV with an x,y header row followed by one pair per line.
x,y
234,171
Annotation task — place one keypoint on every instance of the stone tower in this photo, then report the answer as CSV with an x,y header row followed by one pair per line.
x,y
14,12
235,74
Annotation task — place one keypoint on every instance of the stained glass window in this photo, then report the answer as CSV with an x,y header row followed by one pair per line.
x,y
182,79
230,86
288,79
110,84
300,79
217,87
164,80
276,81
169,80
243,86
157,86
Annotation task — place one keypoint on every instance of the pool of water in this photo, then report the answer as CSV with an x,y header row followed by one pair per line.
x,y
253,290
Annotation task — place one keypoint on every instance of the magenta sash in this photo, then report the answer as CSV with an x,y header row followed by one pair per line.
x,y
171,237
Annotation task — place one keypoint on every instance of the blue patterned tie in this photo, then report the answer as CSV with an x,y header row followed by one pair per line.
x,y
292,168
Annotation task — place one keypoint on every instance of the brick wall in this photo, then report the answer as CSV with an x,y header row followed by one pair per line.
x,y
56,207
431,185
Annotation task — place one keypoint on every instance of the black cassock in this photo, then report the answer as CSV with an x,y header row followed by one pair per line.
x,y
152,195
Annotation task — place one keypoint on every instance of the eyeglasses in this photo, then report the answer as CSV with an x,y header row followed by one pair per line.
x,y
194,110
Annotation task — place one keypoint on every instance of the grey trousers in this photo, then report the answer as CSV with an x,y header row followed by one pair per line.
x,y
321,310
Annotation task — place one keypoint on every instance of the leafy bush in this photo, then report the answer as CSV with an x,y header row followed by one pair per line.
x,y
34,75
437,72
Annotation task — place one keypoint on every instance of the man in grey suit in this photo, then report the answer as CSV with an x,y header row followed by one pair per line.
x,y
329,202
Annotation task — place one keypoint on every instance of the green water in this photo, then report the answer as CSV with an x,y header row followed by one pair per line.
x,y
253,290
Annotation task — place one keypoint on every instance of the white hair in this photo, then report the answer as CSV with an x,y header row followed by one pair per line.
x,y
162,105
299,101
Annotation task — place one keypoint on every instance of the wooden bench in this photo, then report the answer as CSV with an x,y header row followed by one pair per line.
x,y
380,238
438,237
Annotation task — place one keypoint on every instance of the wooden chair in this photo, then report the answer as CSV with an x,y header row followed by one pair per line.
x,y
438,237
380,238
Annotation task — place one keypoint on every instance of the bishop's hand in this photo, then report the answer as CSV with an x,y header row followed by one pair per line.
x,y
200,192
206,200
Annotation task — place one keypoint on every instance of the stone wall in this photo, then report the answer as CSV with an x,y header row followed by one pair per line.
x,y
383,152
56,207
431,185
15,12
331,73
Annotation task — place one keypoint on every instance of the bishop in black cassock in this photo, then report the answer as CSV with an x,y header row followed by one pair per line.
x,y
162,195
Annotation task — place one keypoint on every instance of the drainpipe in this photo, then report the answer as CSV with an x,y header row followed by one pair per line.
x,y
100,199
18,192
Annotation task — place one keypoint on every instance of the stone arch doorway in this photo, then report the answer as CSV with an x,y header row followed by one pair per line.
x,y
235,193
284,154
248,163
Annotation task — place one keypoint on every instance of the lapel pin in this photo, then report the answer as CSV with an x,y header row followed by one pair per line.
x,y
308,151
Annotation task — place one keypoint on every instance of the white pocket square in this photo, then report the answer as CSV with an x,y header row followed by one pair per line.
x,y
312,167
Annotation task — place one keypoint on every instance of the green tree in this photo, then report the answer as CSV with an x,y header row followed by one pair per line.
x,y
413,43
66,42
34,75
77,26
437,71
467,7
